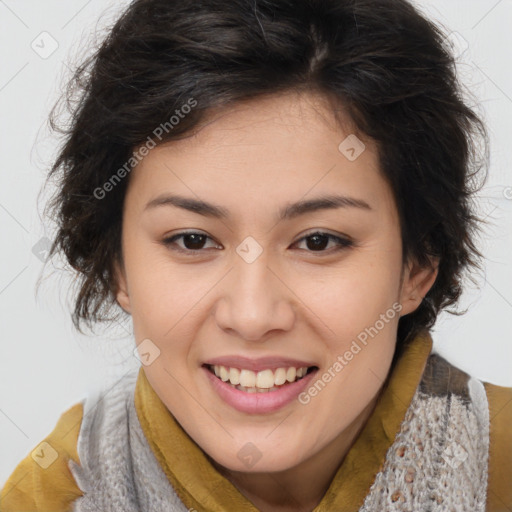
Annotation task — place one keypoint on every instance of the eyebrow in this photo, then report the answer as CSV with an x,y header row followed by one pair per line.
x,y
288,212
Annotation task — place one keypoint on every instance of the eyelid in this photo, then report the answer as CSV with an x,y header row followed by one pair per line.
x,y
344,242
169,240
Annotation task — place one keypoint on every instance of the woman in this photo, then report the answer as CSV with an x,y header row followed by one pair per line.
x,y
278,194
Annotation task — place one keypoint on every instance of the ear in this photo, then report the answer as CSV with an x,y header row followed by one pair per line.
x,y
122,295
417,281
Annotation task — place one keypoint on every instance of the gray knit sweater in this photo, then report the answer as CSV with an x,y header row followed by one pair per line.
x,y
438,461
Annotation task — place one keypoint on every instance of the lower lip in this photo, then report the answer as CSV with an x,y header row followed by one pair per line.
x,y
258,403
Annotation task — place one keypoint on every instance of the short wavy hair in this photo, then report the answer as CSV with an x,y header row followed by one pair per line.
x,y
389,66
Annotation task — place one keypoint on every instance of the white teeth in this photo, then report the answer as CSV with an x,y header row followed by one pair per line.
x,y
265,379
234,376
280,377
252,390
224,374
262,381
291,373
247,378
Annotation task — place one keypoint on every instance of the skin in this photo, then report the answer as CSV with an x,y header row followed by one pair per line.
x,y
293,300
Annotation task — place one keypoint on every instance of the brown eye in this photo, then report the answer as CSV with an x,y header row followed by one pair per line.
x,y
318,241
192,241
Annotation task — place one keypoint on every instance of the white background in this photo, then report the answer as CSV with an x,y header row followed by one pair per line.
x,y
45,366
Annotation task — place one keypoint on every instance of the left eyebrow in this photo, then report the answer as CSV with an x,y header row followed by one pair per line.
x,y
288,212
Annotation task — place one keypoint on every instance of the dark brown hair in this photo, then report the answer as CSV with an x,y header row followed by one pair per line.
x,y
389,67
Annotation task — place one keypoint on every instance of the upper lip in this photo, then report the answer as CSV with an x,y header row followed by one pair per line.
x,y
259,364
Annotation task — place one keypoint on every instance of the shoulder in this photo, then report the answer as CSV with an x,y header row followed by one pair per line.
x,y
500,447
42,481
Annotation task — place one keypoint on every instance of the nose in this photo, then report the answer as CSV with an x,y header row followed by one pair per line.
x,y
254,301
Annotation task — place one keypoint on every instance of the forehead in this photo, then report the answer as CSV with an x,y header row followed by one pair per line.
x,y
276,149
259,120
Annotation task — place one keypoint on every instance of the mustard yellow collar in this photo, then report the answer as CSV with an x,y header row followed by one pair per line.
x,y
199,485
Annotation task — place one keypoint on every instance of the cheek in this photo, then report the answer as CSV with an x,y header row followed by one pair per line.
x,y
158,293
357,293
167,298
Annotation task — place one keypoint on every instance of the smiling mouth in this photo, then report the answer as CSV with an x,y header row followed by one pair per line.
x,y
259,382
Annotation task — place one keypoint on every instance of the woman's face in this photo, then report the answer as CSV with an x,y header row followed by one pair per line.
x,y
253,289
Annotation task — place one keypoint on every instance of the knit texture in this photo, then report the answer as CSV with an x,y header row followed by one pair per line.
x,y
118,470
438,461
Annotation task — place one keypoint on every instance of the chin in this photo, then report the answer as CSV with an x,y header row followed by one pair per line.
x,y
250,459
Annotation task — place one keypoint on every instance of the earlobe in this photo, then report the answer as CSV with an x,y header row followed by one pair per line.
x,y
416,284
122,295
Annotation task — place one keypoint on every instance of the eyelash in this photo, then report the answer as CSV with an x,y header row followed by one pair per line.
x,y
343,243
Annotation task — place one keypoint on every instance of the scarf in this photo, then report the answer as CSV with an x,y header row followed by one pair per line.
x,y
437,460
